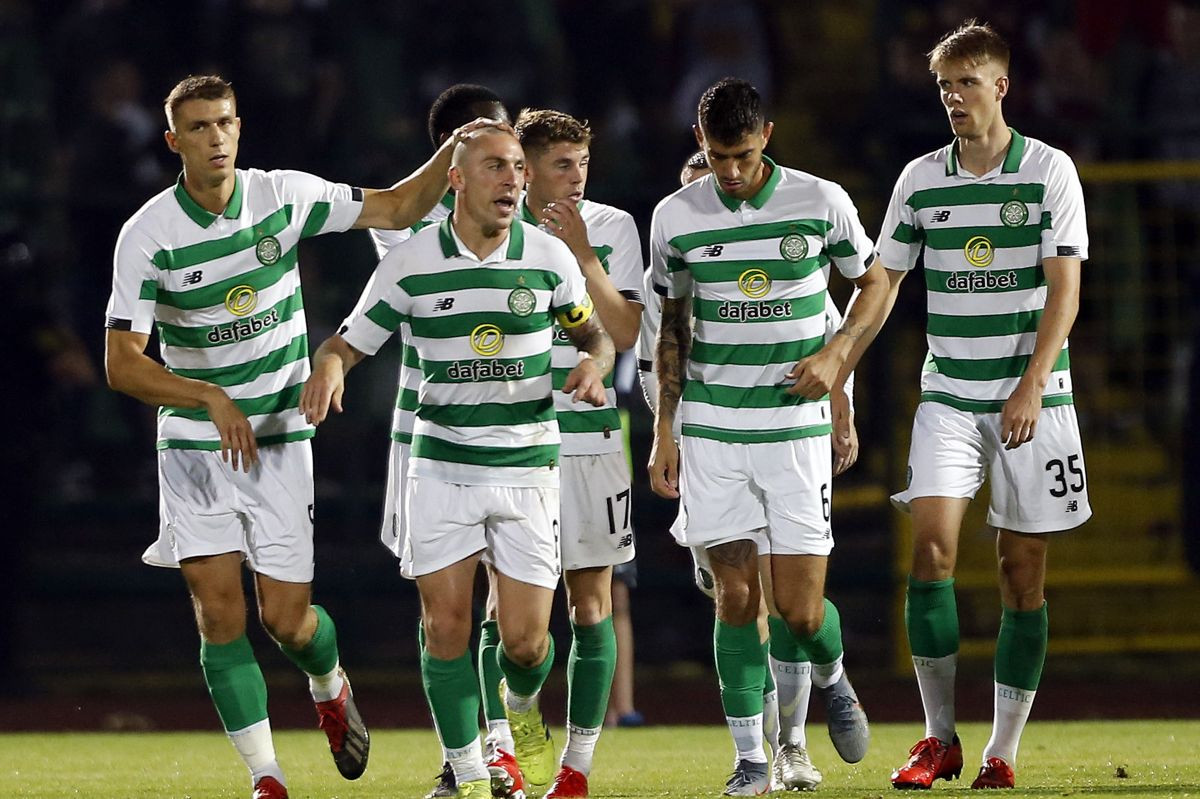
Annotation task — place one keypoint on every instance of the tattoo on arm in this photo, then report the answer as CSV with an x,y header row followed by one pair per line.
x,y
674,346
592,338
851,328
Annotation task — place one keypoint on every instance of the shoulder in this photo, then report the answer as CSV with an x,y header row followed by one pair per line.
x,y
1045,158
795,180
150,222
686,202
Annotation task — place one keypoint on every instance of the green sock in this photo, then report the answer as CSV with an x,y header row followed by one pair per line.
x,y
453,696
826,646
783,642
931,616
1021,647
235,683
320,655
739,666
526,681
768,677
590,669
489,670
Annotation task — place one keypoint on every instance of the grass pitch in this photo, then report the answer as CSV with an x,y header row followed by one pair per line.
x,y
1088,759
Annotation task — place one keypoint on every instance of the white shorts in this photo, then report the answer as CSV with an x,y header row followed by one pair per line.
x,y
391,531
207,508
596,527
776,494
1039,487
516,528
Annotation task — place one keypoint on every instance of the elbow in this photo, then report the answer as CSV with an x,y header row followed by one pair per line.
x,y
115,376
622,339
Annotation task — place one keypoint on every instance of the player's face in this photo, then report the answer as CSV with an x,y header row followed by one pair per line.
x,y
489,180
559,172
205,135
738,166
971,94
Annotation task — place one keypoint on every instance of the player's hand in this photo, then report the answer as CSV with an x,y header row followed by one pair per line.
x,y
465,132
815,375
586,384
664,466
1018,420
323,390
845,435
239,448
563,221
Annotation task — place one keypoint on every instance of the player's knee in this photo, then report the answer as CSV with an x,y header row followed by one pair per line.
x,y
932,560
526,651
737,603
589,610
447,631
221,619
803,620
1021,584
285,625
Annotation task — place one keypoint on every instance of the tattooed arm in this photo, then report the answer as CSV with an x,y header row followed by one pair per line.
x,y
596,354
670,363
817,374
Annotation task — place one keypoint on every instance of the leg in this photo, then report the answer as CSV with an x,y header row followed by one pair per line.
x,y
622,706
1021,645
591,664
499,735
770,694
234,679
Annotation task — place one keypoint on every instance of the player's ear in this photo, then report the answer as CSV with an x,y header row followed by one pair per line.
x,y
766,134
1001,87
172,145
699,136
456,178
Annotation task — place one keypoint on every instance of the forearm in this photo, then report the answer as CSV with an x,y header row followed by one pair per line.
x,y
407,202
336,353
671,357
145,379
1062,306
591,338
864,319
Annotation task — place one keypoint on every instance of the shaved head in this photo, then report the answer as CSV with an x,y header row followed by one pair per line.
x,y
465,147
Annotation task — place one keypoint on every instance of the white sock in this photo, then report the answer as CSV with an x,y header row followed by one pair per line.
x,y
794,683
935,677
324,687
771,721
517,703
1012,706
257,749
747,738
499,736
581,744
826,674
468,762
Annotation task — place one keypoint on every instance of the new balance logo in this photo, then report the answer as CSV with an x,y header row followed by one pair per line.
x,y
192,278
444,304
941,216
712,251
1073,506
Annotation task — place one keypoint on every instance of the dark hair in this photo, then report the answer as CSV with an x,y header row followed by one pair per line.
x,y
195,87
697,160
458,105
973,42
729,110
538,129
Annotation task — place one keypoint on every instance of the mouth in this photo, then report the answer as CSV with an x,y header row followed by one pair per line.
x,y
575,196
506,205
958,116
731,185
219,160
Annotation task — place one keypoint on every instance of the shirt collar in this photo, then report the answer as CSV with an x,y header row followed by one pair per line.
x,y
202,216
760,198
1012,159
453,246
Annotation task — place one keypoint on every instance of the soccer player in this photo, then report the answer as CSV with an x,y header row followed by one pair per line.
x,y
454,107
212,263
1000,218
596,531
742,251
788,682
480,293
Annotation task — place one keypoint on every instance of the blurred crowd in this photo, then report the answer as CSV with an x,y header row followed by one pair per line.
x,y
341,88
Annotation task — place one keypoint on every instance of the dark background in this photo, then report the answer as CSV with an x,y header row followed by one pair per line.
x,y
90,637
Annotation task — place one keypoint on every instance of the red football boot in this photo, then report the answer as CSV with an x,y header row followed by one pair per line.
x,y
349,740
569,784
507,780
994,773
269,788
931,759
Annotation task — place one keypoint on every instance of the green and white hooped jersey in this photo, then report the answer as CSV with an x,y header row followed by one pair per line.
x,y
585,429
409,373
224,292
482,331
984,240
754,270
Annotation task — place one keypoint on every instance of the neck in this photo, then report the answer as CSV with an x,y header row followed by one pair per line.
x,y
535,203
479,240
214,197
982,154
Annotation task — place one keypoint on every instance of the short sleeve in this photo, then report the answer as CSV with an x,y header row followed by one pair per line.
x,y
846,242
1064,221
667,266
320,206
383,306
625,267
901,238
651,316
570,302
135,283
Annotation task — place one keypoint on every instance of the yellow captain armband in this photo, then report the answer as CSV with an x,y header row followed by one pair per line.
x,y
576,316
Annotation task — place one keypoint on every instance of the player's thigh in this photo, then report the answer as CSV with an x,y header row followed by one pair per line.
x,y
446,523
947,456
278,502
215,584
718,502
446,612
524,617
597,527
1040,486
391,530
523,535
795,480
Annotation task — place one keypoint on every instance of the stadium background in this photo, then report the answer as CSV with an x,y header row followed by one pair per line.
x,y
90,638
